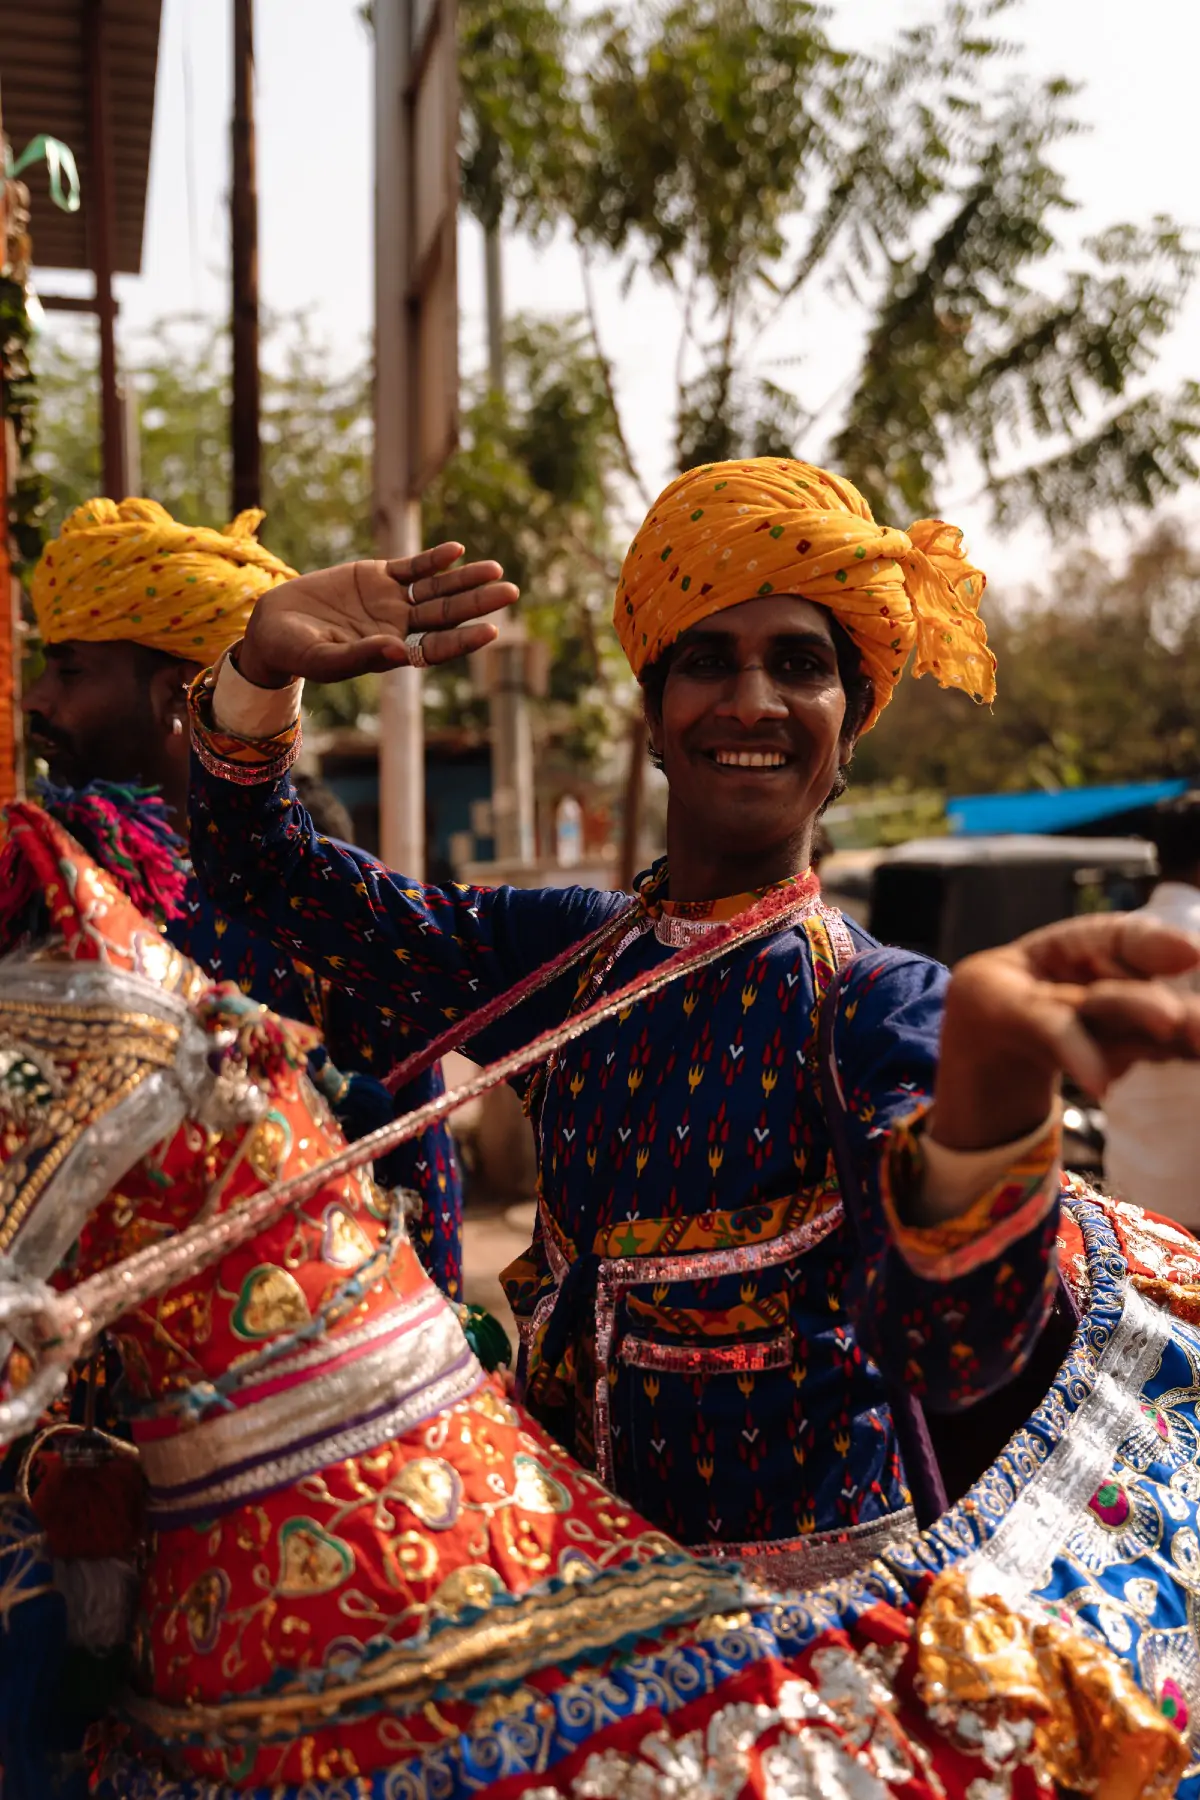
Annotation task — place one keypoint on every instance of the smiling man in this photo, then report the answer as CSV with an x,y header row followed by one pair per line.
x,y
745,1224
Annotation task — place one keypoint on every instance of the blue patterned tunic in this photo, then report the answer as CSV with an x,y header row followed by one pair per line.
x,y
720,1320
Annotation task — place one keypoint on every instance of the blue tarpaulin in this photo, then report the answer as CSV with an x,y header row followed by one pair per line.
x,y
972,815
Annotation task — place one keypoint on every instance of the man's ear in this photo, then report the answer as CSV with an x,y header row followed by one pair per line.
x,y
653,720
168,696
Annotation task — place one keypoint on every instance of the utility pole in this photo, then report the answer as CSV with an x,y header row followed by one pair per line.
x,y
493,274
397,514
509,719
243,218
101,231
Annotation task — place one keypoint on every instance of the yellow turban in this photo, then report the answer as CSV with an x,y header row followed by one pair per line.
x,y
131,572
735,531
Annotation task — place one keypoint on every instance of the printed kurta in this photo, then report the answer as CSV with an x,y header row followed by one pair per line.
x,y
719,1315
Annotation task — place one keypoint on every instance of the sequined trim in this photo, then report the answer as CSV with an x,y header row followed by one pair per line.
x,y
1017,1557
1008,1211
501,1646
618,1273
820,1556
384,1393
706,1359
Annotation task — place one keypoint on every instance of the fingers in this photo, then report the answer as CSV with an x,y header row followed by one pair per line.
x,y
444,646
1100,1031
1107,946
474,596
408,569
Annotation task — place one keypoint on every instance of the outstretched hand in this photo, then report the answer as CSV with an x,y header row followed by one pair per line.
x,y
1084,997
353,619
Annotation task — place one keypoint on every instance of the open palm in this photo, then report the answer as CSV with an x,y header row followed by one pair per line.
x,y
354,619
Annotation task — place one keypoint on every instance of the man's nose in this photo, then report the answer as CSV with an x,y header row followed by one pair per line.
x,y
751,696
33,699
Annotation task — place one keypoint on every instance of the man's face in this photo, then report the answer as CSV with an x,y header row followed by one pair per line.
x,y
751,731
91,715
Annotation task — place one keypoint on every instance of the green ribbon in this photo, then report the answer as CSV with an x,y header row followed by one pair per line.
x,y
59,161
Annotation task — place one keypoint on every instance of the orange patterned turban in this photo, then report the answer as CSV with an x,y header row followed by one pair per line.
x,y
734,531
132,573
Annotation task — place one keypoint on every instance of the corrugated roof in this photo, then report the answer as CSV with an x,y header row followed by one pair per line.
x,y
43,88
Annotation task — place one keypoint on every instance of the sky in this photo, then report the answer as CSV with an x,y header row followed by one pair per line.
x,y
315,199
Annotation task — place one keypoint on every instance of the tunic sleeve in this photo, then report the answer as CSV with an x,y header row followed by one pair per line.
x,y
426,954
951,1311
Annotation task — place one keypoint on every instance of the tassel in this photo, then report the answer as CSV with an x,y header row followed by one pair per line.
x,y
486,1336
90,1509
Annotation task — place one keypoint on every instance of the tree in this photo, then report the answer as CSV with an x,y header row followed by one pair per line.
x,y
1101,686
531,485
749,160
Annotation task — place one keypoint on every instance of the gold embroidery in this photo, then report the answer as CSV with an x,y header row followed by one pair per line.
x,y
272,1300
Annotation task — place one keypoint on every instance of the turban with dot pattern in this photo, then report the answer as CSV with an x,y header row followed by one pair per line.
x,y
132,573
735,531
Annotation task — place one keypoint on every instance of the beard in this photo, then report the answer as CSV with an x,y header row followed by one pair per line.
x,y
57,748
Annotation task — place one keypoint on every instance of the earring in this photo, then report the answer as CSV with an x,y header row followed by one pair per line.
x,y
177,726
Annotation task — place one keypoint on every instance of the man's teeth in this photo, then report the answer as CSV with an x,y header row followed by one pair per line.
x,y
750,759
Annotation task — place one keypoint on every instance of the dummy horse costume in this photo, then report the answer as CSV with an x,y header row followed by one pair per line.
x,y
354,1567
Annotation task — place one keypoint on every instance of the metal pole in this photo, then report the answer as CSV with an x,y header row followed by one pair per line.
x,y
512,757
243,217
397,516
493,270
101,220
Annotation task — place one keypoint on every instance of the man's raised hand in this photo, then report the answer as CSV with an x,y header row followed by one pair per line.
x,y
354,619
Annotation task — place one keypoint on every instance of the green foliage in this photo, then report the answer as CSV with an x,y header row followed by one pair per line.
x,y
28,500
520,117
531,484
1099,681
749,158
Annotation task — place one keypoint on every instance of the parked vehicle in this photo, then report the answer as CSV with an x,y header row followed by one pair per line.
x,y
948,897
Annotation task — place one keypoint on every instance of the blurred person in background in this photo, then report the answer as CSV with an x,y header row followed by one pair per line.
x,y
1152,1152
130,605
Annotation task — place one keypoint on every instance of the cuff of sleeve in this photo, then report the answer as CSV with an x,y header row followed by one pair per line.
x,y
1017,1185
229,755
243,710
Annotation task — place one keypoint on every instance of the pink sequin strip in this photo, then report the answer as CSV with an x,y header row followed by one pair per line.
x,y
707,1359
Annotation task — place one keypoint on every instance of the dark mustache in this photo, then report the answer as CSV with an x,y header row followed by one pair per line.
x,y
41,727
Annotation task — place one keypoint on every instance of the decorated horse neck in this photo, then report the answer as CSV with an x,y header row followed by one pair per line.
x,y
135,1099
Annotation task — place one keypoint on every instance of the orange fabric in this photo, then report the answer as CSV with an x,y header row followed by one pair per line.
x,y
730,532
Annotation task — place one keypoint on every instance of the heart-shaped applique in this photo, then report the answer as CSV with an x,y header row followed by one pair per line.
x,y
271,1301
430,1488
536,1490
311,1560
344,1244
203,1605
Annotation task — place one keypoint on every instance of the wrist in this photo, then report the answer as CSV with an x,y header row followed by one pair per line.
x,y
252,668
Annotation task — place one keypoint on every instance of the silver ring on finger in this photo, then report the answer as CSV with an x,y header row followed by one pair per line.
x,y
414,644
